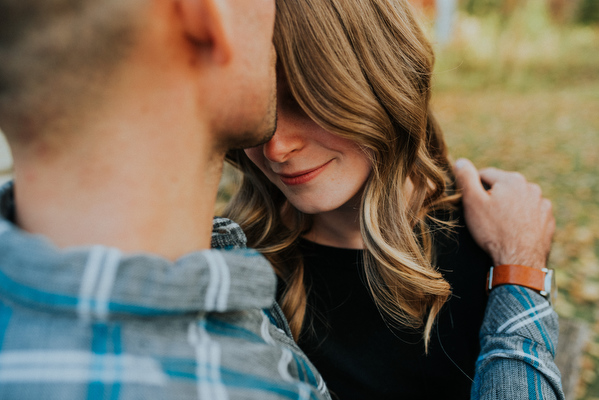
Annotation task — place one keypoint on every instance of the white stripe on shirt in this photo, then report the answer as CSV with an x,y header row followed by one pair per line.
x,y
88,281
214,284
283,365
215,357
509,355
76,366
525,313
225,281
106,282
208,357
529,321
264,330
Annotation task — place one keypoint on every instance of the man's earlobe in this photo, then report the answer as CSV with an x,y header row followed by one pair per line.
x,y
207,25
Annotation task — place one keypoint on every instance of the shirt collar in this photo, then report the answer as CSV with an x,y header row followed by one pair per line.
x,y
102,282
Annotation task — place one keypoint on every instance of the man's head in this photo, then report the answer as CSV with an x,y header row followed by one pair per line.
x,y
55,54
66,62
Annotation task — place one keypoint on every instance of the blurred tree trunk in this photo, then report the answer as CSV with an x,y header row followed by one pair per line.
x,y
564,11
508,7
444,21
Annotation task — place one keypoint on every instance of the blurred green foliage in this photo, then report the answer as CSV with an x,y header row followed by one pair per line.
x,y
588,12
482,7
522,51
578,11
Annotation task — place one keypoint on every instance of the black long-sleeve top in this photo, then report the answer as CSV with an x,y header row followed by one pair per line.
x,y
362,357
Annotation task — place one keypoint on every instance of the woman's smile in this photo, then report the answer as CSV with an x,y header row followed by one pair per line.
x,y
299,178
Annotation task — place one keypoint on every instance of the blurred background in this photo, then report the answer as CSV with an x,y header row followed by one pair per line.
x,y
517,87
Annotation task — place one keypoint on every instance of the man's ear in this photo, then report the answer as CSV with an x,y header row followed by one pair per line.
x,y
207,23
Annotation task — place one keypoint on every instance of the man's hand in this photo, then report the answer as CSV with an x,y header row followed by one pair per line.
x,y
511,221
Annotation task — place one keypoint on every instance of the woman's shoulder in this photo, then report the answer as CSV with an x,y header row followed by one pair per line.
x,y
459,258
452,238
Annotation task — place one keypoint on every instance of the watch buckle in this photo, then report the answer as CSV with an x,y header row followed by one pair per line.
x,y
548,279
490,280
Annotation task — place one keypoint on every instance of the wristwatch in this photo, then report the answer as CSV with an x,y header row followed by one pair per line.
x,y
541,281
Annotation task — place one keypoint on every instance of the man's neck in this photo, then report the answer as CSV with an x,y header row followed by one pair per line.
x,y
146,192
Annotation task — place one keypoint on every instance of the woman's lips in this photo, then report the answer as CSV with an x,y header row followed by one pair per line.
x,y
302,177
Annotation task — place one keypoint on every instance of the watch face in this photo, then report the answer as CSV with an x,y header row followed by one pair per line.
x,y
550,291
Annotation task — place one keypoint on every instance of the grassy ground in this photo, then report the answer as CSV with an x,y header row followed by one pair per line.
x,y
523,95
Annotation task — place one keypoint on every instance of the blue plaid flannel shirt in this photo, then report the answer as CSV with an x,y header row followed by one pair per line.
x,y
93,323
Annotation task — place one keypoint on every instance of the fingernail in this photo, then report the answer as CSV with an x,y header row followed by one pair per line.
x,y
461,163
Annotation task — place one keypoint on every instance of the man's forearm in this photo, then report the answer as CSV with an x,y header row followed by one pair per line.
x,y
518,339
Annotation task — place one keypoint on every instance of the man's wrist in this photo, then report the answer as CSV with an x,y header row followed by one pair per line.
x,y
541,281
532,261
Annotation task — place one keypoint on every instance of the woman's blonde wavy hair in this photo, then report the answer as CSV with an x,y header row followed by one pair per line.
x,y
360,69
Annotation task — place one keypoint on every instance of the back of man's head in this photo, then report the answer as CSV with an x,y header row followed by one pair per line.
x,y
109,103
57,56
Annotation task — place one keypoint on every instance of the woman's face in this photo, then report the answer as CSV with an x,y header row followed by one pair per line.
x,y
316,170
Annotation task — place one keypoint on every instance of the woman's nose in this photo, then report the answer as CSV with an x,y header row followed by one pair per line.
x,y
285,143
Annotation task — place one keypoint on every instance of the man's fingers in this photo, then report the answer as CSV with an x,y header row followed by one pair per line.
x,y
493,175
468,179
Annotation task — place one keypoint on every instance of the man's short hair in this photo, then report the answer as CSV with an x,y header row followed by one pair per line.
x,y
55,53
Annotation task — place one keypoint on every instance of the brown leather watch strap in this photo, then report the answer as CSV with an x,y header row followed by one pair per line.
x,y
512,274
